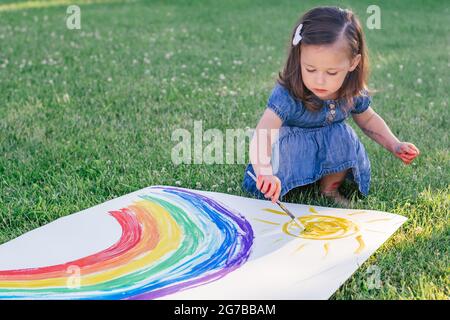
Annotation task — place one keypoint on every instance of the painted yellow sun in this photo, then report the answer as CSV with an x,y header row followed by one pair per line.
x,y
321,227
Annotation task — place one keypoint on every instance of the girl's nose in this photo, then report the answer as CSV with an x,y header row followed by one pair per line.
x,y
320,79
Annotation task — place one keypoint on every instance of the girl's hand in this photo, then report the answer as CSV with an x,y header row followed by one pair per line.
x,y
270,185
406,152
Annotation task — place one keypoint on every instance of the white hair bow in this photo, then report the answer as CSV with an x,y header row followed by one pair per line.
x,y
297,35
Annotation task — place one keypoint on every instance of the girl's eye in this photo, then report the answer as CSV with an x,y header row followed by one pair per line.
x,y
310,70
332,74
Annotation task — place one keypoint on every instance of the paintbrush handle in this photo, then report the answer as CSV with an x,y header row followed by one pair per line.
x,y
256,180
252,176
285,210
281,205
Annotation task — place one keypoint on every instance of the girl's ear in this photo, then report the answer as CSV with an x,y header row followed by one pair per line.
x,y
355,62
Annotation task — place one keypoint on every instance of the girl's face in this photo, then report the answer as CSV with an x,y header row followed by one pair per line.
x,y
324,68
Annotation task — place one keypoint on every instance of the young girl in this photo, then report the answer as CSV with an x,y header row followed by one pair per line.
x,y
302,136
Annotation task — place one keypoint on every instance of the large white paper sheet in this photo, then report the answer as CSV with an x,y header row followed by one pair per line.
x,y
172,243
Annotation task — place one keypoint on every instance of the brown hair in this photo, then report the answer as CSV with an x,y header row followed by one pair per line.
x,y
322,26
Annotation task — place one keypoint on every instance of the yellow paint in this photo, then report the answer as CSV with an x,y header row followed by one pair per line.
x,y
357,212
269,222
276,212
362,245
170,238
300,247
321,227
311,209
326,246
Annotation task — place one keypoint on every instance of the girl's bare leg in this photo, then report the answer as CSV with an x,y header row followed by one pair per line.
x,y
329,185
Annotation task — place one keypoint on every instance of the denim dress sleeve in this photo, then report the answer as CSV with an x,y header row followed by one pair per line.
x,y
283,104
362,103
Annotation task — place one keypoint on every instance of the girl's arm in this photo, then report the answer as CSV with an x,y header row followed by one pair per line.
x,y
261,144
376,128
261,152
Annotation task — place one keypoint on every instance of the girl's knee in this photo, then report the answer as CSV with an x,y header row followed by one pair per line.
x,y
331,182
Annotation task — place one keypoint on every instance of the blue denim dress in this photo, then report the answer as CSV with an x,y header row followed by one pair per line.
x,y
313,144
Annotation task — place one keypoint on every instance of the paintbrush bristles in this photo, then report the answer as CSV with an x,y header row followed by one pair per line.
x,y
298,223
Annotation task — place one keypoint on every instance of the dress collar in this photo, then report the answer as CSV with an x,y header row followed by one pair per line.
x,y
329,101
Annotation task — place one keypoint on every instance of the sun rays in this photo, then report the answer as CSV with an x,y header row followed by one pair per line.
x,y
322,229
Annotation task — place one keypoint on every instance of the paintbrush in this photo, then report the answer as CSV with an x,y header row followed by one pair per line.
x,y
298,223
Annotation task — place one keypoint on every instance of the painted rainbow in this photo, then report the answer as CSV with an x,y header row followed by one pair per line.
x,y
172,240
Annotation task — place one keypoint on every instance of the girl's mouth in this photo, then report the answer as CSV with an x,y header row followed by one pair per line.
x,y
320,90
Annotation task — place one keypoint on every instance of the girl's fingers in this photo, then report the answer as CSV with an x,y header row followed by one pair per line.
x,y
261,185
268,191
265,186
400,155
268,186
407,161
402,148
272,190
408,156
277,194
412,154
407,152
414,148
410,149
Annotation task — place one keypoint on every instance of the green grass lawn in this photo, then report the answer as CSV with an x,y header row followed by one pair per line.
x,y
87,115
